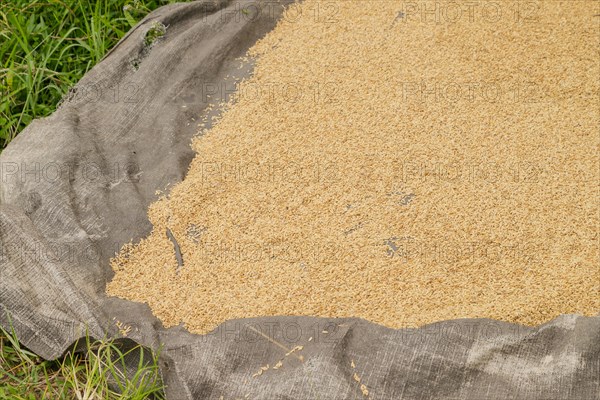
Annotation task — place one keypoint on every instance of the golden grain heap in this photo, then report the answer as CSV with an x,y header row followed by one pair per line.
x,y
395,164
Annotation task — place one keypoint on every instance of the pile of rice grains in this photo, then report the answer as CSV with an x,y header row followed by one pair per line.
x,y
393,163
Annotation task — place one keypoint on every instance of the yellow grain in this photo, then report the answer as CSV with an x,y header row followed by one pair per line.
x,y
392,169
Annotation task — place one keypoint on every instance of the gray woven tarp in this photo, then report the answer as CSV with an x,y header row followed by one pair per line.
x,y
76,186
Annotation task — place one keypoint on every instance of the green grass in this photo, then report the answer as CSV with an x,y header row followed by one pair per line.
x,y
94,374
46,46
